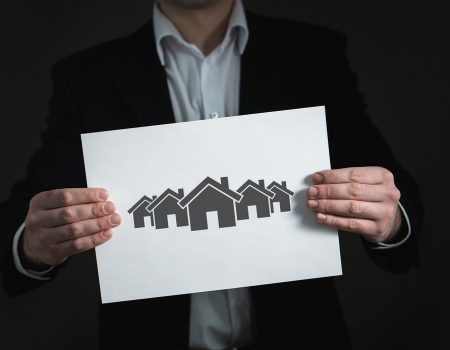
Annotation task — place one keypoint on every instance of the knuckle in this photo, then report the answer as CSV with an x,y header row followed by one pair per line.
x,y
101,224
74,230
33,200
355,175
387,175
91,194
43,197
31,221
390,211
67,215
324,206
352,225
95,210
329,191
330,176
334,222
355,189
65,197
355,207
77,245
395,194
95,240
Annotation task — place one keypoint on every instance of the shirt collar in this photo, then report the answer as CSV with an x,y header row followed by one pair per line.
x,y
163,27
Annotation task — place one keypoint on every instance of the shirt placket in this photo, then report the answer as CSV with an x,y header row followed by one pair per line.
x,y
210,87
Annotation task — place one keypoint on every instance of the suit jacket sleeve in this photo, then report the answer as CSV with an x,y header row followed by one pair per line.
x,y
356,141
57,163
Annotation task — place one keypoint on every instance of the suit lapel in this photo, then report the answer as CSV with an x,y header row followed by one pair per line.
x,y
261,69
143,81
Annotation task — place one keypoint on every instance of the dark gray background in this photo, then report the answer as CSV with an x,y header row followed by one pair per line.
x,y
399,50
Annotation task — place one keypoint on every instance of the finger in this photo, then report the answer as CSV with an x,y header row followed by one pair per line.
x,y
81,228
355,191
75,213
348,208
360,226
69,196
75,246
367,175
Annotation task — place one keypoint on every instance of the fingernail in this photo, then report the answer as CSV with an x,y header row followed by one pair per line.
x,y
107,234
313,204
313,191
109,208
114,219
103,195
317,178
321,216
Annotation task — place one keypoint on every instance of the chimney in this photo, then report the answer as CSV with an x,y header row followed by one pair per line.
x,y
224,181
261,183
181,192
283,183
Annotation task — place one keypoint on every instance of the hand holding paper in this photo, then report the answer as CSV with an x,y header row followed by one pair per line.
x,y
363,200
64,222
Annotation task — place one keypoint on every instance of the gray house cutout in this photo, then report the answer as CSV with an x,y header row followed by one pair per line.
x,y
167,204
140,212
254,194
210,196
282,195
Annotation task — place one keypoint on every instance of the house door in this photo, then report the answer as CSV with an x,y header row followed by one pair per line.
x,y
276,207
212,219
171,220
252,212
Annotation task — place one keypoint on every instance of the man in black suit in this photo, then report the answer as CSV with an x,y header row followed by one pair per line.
x,y
269,65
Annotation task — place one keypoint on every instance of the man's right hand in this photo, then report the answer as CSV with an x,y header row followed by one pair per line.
x,y
64,222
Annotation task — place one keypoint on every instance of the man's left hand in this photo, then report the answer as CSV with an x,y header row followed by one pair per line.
x,y
363,200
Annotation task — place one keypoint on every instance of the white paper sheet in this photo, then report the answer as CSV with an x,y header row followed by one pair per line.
x,y
147,262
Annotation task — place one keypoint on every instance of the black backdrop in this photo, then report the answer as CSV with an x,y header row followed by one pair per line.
x,y
399,50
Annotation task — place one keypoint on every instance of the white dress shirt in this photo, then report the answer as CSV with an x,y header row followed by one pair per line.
x,y
203,87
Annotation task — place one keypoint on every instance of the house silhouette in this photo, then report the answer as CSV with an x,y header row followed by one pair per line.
x,y
210,196
167,204
254,194
140,212
282,195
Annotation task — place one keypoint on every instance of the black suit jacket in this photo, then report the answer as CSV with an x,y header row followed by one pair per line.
x,y
121,84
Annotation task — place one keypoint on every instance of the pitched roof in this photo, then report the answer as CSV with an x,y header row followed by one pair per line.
x,y
162,197
257,187
139,203
280,187
209,182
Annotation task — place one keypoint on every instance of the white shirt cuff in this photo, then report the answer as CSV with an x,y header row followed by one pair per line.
x,y
39,275
383,246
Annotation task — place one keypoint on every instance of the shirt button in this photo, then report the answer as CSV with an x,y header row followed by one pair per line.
x,y
214,115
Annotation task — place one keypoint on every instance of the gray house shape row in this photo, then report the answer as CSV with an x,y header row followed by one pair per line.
x,y
211,196
282,196
254,194
167,204
208,196
139,211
